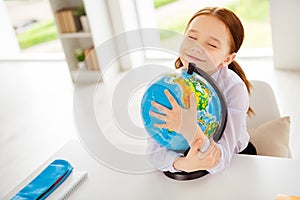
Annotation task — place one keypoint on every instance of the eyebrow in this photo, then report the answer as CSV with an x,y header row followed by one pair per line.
x,y
215,39
212,37
192,30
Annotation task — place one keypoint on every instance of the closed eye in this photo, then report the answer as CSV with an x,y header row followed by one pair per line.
x,y
193,38
212,45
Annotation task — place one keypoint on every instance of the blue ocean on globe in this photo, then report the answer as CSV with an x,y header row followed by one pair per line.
x,y
181,86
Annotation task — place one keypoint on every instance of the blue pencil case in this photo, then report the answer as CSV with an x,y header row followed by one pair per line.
x,y
46,182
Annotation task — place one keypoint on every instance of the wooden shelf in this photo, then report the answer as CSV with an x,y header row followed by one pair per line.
x,y
80,39
76,35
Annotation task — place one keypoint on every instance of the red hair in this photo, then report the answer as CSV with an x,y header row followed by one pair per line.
x,y
236,30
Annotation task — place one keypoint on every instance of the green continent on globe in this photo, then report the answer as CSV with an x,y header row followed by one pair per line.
x,y
210,127
182,85
191,85
203,95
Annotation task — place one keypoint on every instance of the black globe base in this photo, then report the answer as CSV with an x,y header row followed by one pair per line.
x,y
185,176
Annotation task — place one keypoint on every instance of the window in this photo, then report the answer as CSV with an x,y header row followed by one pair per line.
x,y
34,27
174,14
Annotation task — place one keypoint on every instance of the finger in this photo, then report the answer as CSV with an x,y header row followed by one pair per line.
x,y
211,159
159,107
214,156
218,156
158,116
171,99
164,125
196,146
214,152
212,147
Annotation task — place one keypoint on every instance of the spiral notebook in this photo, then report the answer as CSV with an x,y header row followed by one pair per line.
x,y
72,183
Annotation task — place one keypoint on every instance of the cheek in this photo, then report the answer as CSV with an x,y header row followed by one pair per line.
x,y
214,59
183,47
217,58
187,43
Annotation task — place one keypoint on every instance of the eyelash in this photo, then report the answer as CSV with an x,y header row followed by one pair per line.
x,y
193,38
211,45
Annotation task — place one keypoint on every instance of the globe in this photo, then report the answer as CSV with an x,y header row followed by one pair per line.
x,y
211,109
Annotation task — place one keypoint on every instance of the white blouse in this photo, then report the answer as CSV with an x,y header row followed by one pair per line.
x,y
235,137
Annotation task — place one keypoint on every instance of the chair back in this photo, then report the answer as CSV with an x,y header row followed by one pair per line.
x,y
264,104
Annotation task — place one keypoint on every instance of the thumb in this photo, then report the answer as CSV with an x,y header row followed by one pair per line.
x,y
196,146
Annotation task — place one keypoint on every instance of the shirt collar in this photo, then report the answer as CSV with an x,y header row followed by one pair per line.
x,y
216,74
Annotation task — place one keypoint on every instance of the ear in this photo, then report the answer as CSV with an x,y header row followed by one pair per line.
x,y
229,59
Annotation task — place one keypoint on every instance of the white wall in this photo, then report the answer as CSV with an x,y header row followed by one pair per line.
x,y
8,43
285,23
124,18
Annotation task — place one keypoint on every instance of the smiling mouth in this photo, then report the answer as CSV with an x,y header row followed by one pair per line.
x,y
195,58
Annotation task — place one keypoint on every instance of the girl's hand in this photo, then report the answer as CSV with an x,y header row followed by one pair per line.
x,y
196,160
183,121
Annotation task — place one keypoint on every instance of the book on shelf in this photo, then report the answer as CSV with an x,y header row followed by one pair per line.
x,y
67,21
91,58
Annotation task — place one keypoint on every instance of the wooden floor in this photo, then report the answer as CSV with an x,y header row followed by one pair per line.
x,y
36,112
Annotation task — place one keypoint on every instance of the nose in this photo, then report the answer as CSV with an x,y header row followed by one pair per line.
x,y
197,49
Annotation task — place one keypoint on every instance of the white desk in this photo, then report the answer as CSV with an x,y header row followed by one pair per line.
x,y
248,177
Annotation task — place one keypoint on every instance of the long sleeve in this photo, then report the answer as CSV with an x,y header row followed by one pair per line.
x,y
161,157
229,143
235,136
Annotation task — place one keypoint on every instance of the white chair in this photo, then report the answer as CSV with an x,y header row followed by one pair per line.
x,y
264,104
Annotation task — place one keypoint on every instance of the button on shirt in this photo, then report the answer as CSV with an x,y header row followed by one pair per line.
x,y
235,137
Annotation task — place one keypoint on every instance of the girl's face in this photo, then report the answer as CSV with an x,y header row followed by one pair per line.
x,y
207,44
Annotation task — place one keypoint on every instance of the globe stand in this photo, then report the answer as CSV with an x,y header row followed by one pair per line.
x,y
184,176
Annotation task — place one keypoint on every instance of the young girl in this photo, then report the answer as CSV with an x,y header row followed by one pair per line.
x,y
217,35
